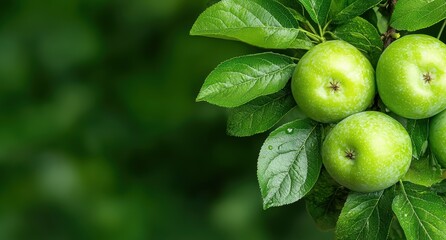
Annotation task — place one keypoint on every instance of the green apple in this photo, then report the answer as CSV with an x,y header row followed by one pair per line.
x,y
332,81
437,137
411,76
367,151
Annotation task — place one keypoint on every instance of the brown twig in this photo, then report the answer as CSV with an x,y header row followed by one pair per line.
x,y
391,34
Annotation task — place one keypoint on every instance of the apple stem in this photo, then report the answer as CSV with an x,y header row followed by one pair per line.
x,y
311,35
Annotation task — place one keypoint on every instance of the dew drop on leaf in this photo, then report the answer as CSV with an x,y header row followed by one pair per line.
x,y
289,130
270,147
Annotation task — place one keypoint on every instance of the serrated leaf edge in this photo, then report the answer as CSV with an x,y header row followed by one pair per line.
x,y
267,201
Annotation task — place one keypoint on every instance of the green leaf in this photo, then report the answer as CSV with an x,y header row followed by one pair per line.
x,y
260,114
420,212
242,79
294,114
353,8
289,162
297,15
396,232
366,216
296,9
318,10
418,130
262,23
382,22
413,15
325,201
292,4
424,171
440,188
363,35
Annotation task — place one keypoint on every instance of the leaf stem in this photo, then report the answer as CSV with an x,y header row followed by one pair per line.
x,y
325,27
324,31
321,33
441,30
332,34
312,35
310,26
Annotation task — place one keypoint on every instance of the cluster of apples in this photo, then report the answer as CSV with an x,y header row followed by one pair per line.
x,y
368,151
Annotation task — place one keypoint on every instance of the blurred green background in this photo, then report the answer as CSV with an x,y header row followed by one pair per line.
x,y
100,135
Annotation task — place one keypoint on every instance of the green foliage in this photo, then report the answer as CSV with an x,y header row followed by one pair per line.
x,y
325,201
260,114
413,15
262,23
299,17
418,131
420,212
352,8
366,215
424,171
440,188
289,163
363,35
241,79
396,232
318,10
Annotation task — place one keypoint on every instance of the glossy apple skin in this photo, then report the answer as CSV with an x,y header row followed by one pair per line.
x,y
335,62
381,147
437,137
401,72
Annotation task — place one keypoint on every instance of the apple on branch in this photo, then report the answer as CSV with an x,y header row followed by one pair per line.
x,y
332,81
367,152
411,76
